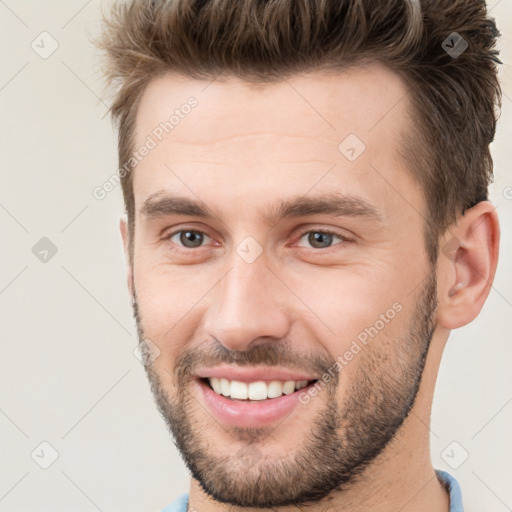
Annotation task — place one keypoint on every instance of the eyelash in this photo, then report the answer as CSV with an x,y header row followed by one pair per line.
x,y
296,238
325,232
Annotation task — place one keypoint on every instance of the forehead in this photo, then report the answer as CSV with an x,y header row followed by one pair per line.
x,y
323,129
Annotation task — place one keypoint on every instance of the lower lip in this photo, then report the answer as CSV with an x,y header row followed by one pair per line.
x,y
250,413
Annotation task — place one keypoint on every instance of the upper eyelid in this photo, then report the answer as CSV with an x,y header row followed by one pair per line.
x,y
167,233
330,231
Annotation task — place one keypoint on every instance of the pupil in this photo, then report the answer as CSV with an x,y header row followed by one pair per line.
x,y
191,238
317,238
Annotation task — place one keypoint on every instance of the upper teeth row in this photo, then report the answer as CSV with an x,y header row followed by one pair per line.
x,y
255,390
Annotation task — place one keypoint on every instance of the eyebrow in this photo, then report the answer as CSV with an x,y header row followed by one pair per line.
x,y
159,205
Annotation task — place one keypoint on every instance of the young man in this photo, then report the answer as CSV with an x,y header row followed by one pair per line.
x,y
307,219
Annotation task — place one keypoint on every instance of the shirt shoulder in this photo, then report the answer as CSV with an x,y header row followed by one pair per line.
x,y
453,488
178,505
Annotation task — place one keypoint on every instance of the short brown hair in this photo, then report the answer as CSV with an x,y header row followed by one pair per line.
x,y
454,99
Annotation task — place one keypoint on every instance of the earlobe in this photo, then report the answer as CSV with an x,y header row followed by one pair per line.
x,y
123,228
467,265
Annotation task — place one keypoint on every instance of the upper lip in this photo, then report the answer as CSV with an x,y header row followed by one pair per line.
x,y
245,374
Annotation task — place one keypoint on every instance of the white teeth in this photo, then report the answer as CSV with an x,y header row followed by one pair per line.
x,y
275,389
289,387
215,385
238,390
300,384
224,387
258,390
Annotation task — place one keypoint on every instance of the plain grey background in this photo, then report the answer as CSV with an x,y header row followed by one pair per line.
x,y
68,375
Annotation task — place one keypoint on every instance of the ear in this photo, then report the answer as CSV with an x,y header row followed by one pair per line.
x,y
467,265
123,228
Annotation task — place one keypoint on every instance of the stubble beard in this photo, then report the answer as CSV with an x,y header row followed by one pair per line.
x,y
344,439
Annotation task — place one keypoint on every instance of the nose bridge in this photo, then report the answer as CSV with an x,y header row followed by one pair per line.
x,y
246,305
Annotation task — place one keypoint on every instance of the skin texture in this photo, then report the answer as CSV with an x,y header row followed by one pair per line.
x,y
240,152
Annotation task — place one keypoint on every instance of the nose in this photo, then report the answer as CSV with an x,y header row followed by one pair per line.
x,y
247,306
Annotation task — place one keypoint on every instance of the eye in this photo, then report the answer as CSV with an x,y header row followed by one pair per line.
x,y
321,239
189,238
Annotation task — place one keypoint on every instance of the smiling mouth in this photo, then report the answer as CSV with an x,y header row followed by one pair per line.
x,y
255,391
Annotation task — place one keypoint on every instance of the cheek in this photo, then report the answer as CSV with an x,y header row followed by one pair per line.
x,y
169,319
362,320
347,301
169,301
162,310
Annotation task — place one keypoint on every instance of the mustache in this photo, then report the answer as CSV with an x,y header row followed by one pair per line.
x,y
271,353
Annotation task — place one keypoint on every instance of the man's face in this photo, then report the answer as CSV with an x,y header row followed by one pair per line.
x,y
307,263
